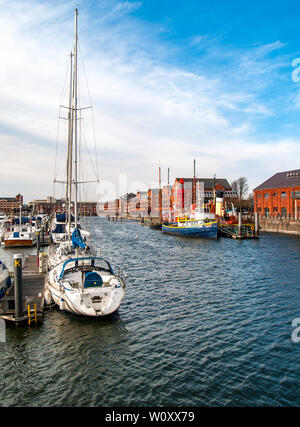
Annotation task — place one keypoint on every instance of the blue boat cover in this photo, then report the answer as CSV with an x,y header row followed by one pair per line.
x,y
5,287
59,228
92,279
92,259
77,239
62,217
24,220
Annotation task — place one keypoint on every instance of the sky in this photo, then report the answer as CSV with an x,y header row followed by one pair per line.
x,y
169,81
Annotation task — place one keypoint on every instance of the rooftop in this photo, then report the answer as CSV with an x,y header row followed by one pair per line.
x,y
209,183
281,179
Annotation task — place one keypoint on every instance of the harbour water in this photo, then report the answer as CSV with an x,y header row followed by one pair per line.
x,y
205,322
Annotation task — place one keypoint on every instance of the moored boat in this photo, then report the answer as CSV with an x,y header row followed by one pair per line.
x,y
192,228
20,236
87,286
5,280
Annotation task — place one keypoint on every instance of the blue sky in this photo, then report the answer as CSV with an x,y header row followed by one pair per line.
x,y
169,81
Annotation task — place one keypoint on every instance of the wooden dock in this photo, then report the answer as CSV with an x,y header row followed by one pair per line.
x,y
246,231
33,294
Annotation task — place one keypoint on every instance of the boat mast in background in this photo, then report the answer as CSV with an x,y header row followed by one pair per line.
x,y
194,185
160,194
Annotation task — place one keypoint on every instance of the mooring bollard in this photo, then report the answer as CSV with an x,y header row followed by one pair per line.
x,y
240,224
256,223
43,236
19,305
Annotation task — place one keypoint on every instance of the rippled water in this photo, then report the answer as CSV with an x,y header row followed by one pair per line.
x,y
204,322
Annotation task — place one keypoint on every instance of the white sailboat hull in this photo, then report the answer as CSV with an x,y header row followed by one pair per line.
x,y
96,303
69,291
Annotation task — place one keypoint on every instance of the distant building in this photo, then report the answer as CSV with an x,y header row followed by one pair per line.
x,y
176,199
279,195
167,202
51,205
9,204
154,201
47,206
183,193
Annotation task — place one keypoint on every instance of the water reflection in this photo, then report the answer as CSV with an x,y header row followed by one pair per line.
x,y
203,322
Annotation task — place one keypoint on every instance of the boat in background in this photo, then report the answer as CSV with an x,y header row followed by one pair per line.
x,y
59,228
5,224
5,280
20,236
192,227
67,249
200,224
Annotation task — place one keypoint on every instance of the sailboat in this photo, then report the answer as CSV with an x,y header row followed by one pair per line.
x,y
20,235
5,280
81,282
5,224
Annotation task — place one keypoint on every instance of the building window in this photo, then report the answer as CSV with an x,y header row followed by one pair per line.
x,y
275,209
267,212
283,194
259,195
283,211
274,194
266,195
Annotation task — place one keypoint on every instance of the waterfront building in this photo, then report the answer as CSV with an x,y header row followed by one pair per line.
x,y
176,200
144,203
52,205
154,202
279,195
167,202
47,206
9,204
134,206
183,193
113,207
124,202
87,208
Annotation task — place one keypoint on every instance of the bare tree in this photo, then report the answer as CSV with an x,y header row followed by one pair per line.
x,y
241,187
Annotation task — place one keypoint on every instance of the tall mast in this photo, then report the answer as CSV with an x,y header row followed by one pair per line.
x,y
75,117
20,216
194,184
70,170
69,160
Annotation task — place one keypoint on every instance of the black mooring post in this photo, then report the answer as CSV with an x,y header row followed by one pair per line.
x,y
19,306
43,235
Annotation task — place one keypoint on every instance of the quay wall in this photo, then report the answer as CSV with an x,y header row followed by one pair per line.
x,y
280,225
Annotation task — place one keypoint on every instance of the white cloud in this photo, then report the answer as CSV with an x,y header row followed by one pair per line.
x,y
145,110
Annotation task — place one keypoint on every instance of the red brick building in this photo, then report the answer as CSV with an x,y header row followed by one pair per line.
x,y
279,195
167,202
51,205
175,200
9,204
183,193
